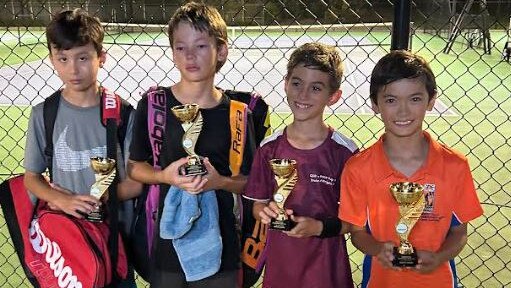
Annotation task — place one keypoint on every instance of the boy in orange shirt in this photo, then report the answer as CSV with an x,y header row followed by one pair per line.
x,y
402,89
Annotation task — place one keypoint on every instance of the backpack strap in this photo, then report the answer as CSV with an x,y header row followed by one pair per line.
x,y
238,122
111,107
255,97
122,129
263,129
110,116
114,107
238,125
259,110
251,99
50,107
156,123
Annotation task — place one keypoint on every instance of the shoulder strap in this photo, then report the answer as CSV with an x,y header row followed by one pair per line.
x,y
50,107
110,115
253,100
259,110
249,98
238,122
114,107
111,106
238,125
156,121
126,110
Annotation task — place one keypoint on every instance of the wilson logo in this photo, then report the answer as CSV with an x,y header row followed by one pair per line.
x,y
57,263
110,101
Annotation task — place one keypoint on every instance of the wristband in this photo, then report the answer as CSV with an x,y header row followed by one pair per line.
x,y
331,227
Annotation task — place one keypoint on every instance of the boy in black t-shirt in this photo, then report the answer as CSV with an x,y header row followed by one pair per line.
x,y
198,37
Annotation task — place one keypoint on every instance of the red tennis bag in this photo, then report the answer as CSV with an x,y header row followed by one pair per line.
x,y
55,249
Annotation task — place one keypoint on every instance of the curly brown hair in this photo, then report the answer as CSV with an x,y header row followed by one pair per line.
x,y
318,56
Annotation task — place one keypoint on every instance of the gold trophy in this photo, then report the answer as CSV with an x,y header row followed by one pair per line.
x,y
191,121
286,176
410,198
104,173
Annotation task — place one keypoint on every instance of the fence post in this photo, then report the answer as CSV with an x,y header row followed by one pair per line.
x,y
401,25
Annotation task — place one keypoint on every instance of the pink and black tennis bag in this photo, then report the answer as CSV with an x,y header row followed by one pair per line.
x,y
253,233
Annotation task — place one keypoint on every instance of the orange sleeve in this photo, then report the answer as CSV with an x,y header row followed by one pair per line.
x,y
353,198
467,207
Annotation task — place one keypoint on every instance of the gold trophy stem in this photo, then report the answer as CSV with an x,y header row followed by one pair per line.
x,y
285,185
103,181
191,135
104,174
191,122
409,216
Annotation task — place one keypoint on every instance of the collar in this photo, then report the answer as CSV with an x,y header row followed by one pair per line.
x,y
224,101
434,162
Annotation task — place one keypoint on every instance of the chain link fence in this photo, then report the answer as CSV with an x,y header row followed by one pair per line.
x,y
467,43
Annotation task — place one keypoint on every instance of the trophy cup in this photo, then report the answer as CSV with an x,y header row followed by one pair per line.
x,y
410,198
104,173
191,121
286,177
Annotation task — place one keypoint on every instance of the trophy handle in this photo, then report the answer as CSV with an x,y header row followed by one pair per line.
x,y
410,215
192,134
103,181
285,185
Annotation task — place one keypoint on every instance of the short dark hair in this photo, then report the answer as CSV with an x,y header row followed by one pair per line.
x,y
401,64
203,18
73,28
318,56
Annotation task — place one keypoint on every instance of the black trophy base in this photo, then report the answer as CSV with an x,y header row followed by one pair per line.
x,y
195,169
404,260
95,216
282,225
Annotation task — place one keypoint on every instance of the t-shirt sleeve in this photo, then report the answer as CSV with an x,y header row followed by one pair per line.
x,y
353,199
34,160
467,206
140,147
260,183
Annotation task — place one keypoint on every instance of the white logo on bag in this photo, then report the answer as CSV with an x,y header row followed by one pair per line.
x,y
110,101
54,257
